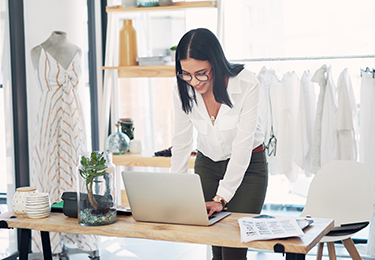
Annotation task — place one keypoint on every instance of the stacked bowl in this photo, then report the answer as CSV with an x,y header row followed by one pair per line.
x,y
38,205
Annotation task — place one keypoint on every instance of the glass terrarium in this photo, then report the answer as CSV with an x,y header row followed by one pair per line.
x,y
97,190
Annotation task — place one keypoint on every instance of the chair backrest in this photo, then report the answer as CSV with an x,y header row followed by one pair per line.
x,y
341,190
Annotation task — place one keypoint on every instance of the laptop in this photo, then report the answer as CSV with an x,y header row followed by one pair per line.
x,y
175,198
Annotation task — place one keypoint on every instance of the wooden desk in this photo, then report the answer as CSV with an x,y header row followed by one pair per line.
x,y
146,160
224,233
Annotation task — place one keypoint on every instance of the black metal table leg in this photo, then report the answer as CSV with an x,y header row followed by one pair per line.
x,y
46,243
294,256
279,248
23,246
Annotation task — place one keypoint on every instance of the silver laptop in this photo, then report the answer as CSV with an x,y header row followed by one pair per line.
x,y
168,198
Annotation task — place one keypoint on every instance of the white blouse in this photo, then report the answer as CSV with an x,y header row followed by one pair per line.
x,y
346,118
235,133
305,124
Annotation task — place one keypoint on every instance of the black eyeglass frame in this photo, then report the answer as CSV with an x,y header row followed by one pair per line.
x,y
181,76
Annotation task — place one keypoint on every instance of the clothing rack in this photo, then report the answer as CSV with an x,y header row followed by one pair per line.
x,y
368,70
306,58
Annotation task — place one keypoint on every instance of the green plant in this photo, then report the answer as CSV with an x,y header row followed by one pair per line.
x,y
173,48
91,168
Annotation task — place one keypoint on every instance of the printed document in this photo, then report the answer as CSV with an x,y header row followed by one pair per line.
x,y
268,228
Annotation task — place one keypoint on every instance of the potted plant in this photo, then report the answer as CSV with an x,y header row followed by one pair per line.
x,y
96,196
173,52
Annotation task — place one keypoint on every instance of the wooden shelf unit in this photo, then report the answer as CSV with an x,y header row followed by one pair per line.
x,y
161,71
175,7
146,160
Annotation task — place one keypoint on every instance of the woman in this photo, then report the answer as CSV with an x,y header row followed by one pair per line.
x,y
220,100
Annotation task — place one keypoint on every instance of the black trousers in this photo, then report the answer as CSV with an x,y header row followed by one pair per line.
x,y
249,197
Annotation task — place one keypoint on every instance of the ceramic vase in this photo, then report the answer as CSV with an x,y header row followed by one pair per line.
x,y
127,127
128,44
19,199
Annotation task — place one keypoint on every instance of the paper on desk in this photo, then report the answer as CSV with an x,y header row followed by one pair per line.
x,y
264,229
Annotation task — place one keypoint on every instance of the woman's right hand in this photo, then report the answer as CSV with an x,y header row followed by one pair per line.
x,y
213,207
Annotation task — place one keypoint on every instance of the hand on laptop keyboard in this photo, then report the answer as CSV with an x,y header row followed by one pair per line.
x,y
213,207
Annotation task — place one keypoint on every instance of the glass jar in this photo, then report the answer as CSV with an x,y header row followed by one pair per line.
x,y
96,189
19,199
127,127
118,142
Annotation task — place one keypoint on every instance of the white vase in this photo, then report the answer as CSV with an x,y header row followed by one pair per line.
x,y
19,199
129,3
173,55
135,146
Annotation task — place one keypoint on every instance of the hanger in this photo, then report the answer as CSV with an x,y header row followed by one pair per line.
x,y
368,70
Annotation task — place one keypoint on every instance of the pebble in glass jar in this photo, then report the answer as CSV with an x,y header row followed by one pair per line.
x,y
19,199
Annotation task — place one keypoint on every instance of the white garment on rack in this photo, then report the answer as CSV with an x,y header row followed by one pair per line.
x,y
367,131
347,118
269,85
329,122
305,124
287,116
263,107
367,141
320,78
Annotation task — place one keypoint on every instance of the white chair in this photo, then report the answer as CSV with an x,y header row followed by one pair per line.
x,y
343,191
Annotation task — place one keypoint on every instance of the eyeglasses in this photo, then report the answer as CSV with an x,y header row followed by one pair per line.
x,y
272,144
200,76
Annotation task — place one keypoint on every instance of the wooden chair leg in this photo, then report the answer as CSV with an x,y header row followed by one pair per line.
x,y
331,250
319,254
349,245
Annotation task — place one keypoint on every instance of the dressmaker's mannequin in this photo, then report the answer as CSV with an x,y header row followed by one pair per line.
x,y
60,134
58,46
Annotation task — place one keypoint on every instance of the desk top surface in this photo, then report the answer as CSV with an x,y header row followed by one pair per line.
x,y
224,233
146,159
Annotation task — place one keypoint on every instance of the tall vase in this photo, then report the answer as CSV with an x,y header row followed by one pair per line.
x,y
96,189
128,44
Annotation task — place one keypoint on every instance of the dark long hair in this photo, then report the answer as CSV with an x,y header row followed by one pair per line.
x,y
202,44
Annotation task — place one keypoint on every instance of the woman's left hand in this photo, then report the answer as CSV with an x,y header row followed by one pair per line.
x,y
213,207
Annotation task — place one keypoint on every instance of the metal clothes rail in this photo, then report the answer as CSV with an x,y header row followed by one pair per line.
x,y
306,58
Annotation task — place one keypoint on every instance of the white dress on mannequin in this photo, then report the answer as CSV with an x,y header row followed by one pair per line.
x,y
367,142
60,131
